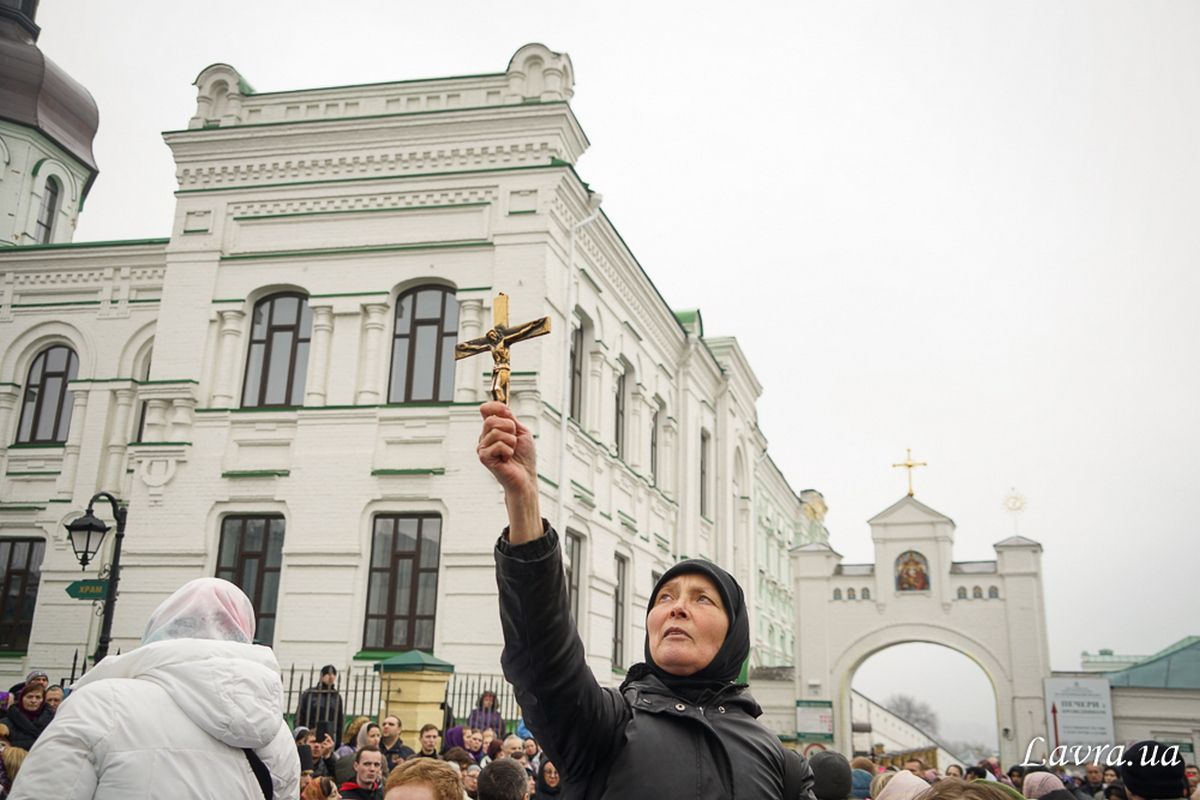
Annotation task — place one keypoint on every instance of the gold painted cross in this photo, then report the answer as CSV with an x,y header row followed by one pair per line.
x,y
910,465
498,340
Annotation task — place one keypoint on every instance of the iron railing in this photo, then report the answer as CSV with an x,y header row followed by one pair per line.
x,y
463,693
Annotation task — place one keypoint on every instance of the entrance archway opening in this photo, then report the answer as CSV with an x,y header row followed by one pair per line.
x,y
938,679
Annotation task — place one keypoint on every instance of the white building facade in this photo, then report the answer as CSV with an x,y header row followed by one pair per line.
x,y
272,388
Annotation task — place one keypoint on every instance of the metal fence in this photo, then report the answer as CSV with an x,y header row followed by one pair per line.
x,y
463,693
357,684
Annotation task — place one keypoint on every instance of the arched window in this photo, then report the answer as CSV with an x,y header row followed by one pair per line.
x,y
837,594
977,593
993,593
962,593
850,595
866,594
46,409
278,358
43,231
423,346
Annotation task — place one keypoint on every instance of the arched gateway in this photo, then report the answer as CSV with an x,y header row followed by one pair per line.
x,y
991,611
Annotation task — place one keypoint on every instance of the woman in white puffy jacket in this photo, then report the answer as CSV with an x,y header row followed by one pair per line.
x,y
173,717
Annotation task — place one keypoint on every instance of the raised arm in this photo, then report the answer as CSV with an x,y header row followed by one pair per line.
x,y
576,720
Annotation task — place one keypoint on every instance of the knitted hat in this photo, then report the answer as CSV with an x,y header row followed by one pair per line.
x,y
860,782
1154,771
831,775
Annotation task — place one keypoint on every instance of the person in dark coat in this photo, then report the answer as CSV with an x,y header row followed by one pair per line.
x,y
549,782
28,716
322,703
679,726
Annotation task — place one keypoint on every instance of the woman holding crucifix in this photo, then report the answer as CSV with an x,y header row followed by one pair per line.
x,y
679,725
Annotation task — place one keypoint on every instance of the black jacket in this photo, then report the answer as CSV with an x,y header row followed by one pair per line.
x,y
642,742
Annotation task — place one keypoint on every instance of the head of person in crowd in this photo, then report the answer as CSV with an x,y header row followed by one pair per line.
x,y
903,786
863,763
697,630
513,746
975,773
531,747
1154,771
503,779
495,749
13,758
390,729
831,775
1094,777
423,779
915,765
368,734
368,767
32,700
305,740
486,736
954,771
328,676
860,783
549,781
957,789
453,737
1016,774
1193,776
473,740
459,756
1115,791
470,780
880,780
1110,775
487,701
351,735
37,678
429,738
54,696
322,788
1040,784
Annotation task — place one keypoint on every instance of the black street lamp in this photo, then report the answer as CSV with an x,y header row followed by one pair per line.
x,y
86,534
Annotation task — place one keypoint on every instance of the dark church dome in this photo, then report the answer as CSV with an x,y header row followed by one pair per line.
x,y
36,92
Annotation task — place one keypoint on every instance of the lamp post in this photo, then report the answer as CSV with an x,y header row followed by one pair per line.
x,y
86,534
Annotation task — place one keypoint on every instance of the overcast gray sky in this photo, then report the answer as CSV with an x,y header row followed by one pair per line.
x,y
969,228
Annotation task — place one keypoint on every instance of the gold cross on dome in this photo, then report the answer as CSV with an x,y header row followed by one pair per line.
x,y
498,340
910,465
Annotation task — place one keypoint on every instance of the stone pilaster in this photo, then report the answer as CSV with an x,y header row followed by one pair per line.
x,y
375,326
318,358
228,363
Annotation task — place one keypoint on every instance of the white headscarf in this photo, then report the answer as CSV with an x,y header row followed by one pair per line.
x,y
205,608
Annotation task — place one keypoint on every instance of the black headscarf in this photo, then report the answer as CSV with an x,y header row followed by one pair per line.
x,y
726,665
544,790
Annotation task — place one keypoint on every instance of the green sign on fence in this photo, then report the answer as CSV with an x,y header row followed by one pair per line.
x,y
94,589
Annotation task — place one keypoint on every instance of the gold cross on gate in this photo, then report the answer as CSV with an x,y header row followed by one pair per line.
x,y
910,465
498,340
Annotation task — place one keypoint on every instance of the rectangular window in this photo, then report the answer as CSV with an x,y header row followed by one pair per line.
x,y
574,569
619,418
20,574
704,473
618,644
654,420
577,374
402,582
249,556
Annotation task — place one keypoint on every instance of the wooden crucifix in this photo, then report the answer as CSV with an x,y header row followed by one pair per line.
x,y
498,340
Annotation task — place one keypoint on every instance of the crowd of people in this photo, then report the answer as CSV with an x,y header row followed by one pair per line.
x,y
372,759
1147,773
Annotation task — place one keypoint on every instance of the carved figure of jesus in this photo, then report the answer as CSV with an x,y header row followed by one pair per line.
x,y
498,340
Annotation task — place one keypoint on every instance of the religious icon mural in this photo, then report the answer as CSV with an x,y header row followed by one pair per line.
x,y
912,572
